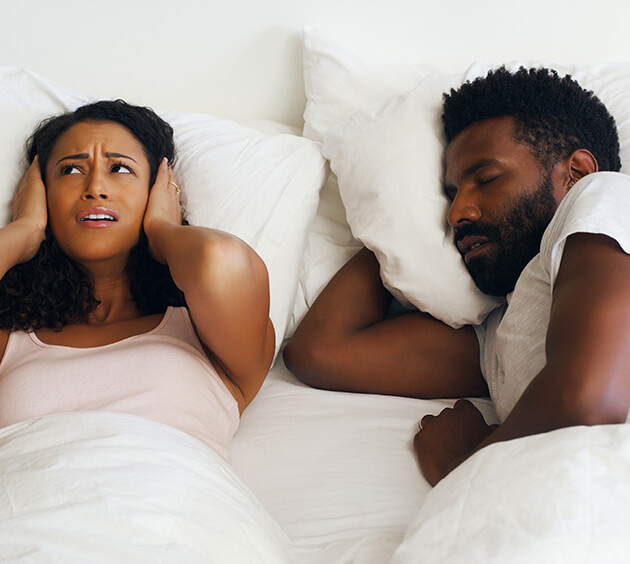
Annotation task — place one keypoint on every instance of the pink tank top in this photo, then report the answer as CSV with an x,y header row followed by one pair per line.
x,y
163,375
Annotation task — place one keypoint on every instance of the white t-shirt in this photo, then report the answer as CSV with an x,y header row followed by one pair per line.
x,y
512,338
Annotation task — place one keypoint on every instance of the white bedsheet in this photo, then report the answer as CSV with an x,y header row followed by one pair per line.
x,y
109,487
336,470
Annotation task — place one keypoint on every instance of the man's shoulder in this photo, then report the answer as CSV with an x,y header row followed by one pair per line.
x,y
598,203
603,187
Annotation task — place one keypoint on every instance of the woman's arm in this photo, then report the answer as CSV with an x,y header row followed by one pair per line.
x,y
226,288
21,239
346,343
586,380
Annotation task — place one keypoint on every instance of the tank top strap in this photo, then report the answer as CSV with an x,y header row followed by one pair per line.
x,y
19,345
178,324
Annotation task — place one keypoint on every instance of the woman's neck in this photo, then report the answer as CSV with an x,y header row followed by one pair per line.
x,y
111,287
116,301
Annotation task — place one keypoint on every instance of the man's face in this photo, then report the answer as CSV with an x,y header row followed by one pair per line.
x,y
501,202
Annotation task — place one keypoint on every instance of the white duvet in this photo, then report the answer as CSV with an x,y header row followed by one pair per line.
x,y
556,498
107,487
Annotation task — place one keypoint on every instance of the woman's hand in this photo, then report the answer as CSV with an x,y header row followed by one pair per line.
x,y
446,440
29,211
163,208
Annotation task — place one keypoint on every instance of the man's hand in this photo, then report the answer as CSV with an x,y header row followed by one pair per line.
x,y
446,440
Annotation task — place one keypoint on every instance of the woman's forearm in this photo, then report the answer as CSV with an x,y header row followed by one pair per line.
x,y
19,242
191,253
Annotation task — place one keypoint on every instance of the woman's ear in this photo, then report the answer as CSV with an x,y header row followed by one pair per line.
x,y
580,163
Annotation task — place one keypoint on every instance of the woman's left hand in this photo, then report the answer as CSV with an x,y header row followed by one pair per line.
x,y
163,207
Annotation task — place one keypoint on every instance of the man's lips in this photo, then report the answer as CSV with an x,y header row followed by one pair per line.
x,y
97,214
471,245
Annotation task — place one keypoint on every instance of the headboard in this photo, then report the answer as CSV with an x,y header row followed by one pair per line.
x,y
242,59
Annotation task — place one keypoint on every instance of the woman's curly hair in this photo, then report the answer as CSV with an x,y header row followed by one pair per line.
x,y
52,290
555,115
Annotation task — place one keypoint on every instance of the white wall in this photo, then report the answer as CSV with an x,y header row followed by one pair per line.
x,y
242,58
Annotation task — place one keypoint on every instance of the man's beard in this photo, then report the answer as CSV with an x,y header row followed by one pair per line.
x,y
515,238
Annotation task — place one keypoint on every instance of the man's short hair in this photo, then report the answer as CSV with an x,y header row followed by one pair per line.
x,y
555,115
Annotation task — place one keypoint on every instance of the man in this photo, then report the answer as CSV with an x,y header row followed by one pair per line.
x,y
518,144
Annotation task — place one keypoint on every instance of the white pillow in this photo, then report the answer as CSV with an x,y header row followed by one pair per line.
x,y
338,82
388,163
262,188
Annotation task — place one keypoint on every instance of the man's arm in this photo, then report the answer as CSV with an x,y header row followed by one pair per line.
x,y
346,343
586,380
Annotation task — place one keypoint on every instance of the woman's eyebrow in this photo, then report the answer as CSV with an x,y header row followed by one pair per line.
x,y
77,156
120,156
85,156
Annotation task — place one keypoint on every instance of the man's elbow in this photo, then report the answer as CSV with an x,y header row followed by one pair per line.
x,y
305,361
587,406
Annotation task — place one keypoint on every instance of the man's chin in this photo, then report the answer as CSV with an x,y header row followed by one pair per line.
x,y
491,285
495,292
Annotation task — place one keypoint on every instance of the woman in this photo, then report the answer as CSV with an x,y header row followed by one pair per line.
x,y
108,302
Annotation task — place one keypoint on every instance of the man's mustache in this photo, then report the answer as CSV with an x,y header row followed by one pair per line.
x,y
481,230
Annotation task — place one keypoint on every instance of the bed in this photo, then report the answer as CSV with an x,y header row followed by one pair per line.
x,y
293,131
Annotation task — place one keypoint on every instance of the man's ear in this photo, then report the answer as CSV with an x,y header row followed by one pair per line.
x,y
580,163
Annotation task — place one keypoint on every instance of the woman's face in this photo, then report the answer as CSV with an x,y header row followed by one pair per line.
x,y
97,184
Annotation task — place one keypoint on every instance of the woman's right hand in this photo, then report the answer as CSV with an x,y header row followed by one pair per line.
x,y
29,211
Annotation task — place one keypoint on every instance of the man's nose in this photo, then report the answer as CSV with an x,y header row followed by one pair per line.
x,y
464,209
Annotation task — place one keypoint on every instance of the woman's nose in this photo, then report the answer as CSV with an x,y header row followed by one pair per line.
x,y
96,188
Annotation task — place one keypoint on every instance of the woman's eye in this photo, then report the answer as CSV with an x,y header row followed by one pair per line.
x,y
70,169
121,168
